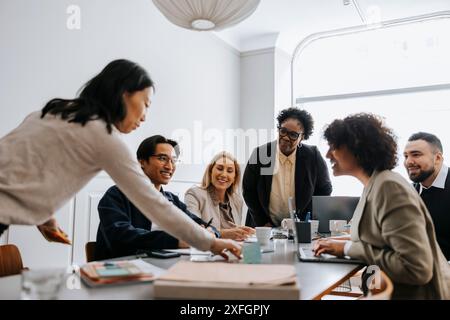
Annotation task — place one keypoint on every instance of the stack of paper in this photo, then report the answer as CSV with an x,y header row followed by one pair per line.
x,y
227,281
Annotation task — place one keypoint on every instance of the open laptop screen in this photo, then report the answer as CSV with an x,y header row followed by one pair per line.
x,y
326,208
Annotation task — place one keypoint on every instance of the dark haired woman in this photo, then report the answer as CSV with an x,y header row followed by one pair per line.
x,y
52,154
391,227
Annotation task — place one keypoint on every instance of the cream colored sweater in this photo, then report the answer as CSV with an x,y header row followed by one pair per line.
x,y
45,162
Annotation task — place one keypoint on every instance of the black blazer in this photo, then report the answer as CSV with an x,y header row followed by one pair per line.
x,y
438,204
123,229
311,178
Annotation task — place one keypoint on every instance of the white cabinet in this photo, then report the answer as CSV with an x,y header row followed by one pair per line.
x,y
78,218
86,214
4,238
35,250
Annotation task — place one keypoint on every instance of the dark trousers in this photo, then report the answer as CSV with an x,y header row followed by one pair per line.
x,y
3,228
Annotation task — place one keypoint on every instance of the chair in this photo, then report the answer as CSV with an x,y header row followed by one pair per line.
x,y
343,289
89,248
355,288
10,260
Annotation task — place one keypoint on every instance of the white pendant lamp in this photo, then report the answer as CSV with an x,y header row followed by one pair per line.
x,y
203,15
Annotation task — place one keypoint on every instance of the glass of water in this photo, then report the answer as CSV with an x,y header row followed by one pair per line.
x,y
41,284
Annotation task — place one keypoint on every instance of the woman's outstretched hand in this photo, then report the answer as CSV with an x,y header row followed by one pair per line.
x,y
53,233
220,246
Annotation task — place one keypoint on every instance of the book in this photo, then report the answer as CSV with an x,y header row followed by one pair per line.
x,y
100,273
216,280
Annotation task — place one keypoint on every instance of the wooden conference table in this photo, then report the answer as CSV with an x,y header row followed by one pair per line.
x,y
315,279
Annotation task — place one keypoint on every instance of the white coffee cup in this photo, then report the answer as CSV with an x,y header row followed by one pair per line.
x,y
263,235
287,224
337,226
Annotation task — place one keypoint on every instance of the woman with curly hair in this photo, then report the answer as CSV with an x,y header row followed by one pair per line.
x,y
391,225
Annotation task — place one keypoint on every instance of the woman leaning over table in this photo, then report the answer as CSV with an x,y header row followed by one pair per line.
x,y
54,152
391,227
218,198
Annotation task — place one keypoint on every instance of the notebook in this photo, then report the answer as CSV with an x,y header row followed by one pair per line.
x,y
101,273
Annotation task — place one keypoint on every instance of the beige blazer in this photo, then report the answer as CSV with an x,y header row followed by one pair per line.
x,y
199,202
393,230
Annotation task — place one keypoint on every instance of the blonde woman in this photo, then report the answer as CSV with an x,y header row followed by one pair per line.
x,y
217,199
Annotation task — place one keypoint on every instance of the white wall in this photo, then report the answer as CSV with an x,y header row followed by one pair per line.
x,y
265,90
197,76
257,89
282,80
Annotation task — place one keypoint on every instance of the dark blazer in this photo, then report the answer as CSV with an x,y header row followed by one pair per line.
x,y
438,203
311,178
123,229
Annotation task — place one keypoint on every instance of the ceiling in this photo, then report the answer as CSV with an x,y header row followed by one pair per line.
x,y
284,23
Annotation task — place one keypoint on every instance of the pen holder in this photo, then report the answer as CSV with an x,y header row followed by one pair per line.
x,y
303,229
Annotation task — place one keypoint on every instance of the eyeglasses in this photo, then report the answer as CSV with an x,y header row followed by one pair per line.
x,y
291,134
166,159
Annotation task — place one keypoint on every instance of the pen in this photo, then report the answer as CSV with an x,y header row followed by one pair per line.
x,y
308,216
209,223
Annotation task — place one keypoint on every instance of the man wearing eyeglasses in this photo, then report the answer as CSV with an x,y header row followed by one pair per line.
x,y
282,169
123,229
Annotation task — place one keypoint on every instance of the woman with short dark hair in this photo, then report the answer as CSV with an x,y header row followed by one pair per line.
x,y
52,154
391,226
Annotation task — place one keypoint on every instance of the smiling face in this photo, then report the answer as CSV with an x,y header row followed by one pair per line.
x,y
136,104
290,127
223,174
422,162
342,161
160,167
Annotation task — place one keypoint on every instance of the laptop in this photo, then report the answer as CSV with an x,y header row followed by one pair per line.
x,y
305,254
326,208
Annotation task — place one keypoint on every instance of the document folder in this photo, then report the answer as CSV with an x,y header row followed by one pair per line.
x,y
212,280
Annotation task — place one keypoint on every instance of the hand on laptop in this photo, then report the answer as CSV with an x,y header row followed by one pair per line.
x,y
334,247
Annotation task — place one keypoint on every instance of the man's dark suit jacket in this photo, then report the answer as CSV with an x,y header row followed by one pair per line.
x,y
438,203
123,229
311,178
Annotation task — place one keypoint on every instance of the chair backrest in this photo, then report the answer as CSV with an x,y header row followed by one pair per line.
x,y
385,290
89,248
10,260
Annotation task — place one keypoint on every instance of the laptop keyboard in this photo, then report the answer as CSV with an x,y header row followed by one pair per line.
x,y
309,254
